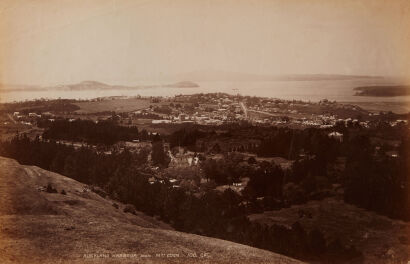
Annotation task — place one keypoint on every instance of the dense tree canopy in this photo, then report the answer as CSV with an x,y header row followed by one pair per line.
x,y
103,132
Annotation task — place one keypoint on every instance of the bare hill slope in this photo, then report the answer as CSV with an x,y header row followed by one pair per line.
x,y
41,227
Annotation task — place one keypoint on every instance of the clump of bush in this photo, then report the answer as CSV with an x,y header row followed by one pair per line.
x,y
99,191
63,192
50,188
404,240
129,208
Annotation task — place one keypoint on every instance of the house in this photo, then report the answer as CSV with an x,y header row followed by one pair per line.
x,y
33,115
165,121
193,161
182,117
47,114
336,135
152,180
392,154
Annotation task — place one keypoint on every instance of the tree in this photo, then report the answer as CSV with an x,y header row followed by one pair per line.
x,y
317,242
251,160
158,155
267,180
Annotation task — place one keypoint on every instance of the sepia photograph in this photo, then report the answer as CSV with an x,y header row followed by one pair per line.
x,y
205,131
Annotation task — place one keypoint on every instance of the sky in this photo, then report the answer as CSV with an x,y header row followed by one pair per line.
x,y
48,42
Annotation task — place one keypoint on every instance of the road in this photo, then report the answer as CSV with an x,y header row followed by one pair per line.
x,y
247,112
12,119
244,109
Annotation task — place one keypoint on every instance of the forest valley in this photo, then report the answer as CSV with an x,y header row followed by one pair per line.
x,y
360,164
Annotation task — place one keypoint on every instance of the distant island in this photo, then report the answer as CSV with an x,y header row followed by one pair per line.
x,y
93,85
184,84
383,91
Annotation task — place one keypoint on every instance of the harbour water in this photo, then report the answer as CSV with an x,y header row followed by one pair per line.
x,y
314,91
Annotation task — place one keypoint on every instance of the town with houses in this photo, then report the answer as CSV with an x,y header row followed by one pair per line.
x,y
218,109
217,143
157,114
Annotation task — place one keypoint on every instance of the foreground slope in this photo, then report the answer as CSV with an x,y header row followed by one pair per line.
x,y
41,227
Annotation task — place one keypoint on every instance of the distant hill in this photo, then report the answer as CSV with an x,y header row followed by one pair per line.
x,y
184,84
383,90
90,85
236,76
80,226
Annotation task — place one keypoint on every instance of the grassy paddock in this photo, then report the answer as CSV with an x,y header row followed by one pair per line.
x,y
117,105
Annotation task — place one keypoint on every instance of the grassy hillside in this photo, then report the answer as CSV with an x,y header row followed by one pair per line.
x,y
80,226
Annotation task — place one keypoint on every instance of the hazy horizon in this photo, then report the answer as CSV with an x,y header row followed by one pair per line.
x,y
250,77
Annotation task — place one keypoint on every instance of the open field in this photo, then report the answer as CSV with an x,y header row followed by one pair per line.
x,y
9,127
117,105
42,227
381,239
